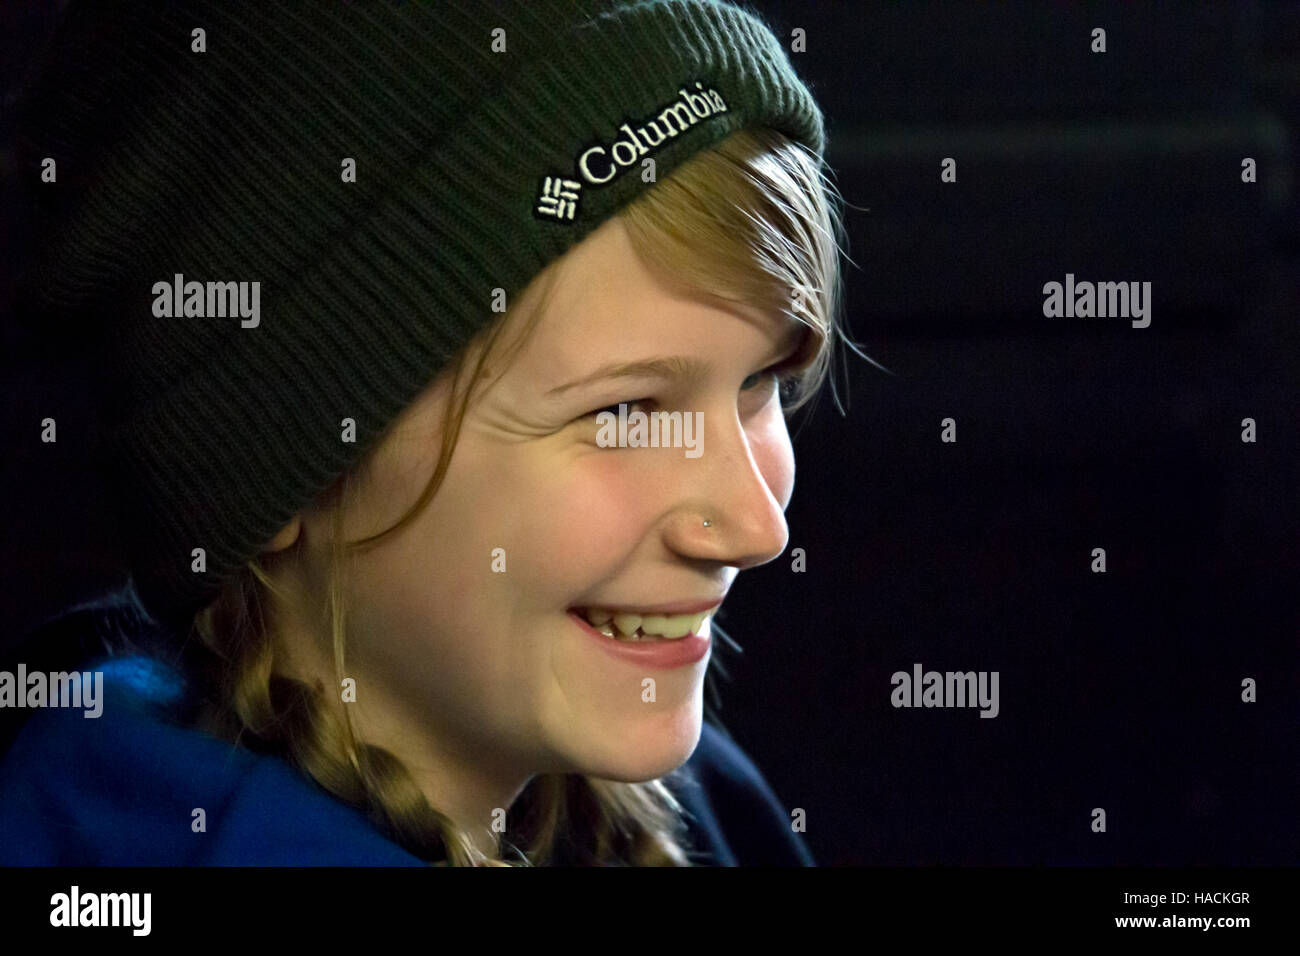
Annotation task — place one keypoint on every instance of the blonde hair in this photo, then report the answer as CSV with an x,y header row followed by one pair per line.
x,y
754,220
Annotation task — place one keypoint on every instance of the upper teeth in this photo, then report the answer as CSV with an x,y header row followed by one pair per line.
x,y
671,626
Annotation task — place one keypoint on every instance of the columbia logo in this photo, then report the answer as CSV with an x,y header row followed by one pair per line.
x,y
600,164
558,198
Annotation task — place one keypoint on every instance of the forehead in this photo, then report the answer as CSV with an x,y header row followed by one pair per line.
x,y
605,302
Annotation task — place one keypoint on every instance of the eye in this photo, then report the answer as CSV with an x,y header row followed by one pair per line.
x,y
784,376
774,376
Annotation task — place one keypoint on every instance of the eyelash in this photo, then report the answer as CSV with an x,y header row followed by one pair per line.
x,y
784,380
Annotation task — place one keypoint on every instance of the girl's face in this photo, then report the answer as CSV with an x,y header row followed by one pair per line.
x,y
467,660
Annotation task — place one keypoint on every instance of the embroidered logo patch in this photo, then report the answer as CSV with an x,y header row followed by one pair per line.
x,y
559,196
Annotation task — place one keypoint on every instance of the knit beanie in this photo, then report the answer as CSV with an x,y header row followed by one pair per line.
x,y
275,223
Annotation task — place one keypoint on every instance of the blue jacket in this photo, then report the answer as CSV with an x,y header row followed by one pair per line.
x,y
120,790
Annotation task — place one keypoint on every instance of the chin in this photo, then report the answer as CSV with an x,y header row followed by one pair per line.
x,y
644,751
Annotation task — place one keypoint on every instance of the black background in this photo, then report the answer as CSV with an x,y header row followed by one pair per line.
x,y
1118,690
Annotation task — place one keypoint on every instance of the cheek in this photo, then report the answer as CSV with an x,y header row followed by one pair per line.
x,y
432,613
437,569
561,516
596,509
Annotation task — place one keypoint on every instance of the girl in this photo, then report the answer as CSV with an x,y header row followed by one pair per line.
x,y
409,583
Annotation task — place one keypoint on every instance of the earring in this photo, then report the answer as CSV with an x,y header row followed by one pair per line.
x,y
707,523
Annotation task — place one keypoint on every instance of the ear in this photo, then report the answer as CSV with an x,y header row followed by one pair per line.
x,y
285,537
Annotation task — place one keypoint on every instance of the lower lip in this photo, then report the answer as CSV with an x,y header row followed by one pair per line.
x,y
664,653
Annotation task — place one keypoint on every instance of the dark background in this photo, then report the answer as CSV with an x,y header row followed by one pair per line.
x,y
1118,690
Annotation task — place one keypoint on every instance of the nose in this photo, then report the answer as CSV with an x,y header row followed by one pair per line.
x,y
741,487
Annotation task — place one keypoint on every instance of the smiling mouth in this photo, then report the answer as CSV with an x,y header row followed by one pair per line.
x,y
622,626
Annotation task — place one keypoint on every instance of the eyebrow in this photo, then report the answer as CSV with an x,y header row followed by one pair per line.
x,y
675,366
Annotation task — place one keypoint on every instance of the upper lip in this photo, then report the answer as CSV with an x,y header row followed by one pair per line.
x,y
662,610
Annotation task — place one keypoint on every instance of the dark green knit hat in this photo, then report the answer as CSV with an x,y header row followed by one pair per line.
x,y
487,139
